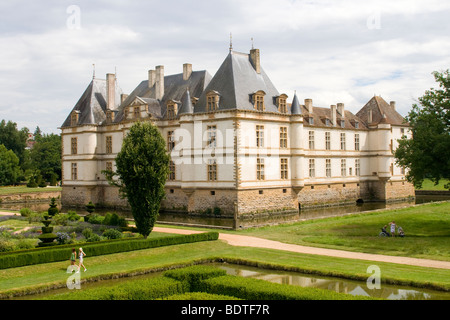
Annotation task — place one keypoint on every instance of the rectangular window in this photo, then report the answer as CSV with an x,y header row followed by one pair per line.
x,y
74,145
259,102
74,171
212,103
311,140
357,141
357,167
109,144
327,140
260,169
136,112
343,167
312,168
283,137
284,168
170,141
109,166
342,141
171,171
212,170
212,134
328,168
260,136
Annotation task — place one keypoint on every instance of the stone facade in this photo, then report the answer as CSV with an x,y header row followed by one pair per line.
x,y
237,147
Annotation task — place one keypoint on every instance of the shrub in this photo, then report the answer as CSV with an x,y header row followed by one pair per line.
x,y
199,296
60,219
112,234
87,233
73,216
35,217
63,238
95,218
193,275
94,238
25,212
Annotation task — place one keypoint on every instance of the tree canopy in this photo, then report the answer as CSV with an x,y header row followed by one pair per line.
x,y
142,167
427,154
9,166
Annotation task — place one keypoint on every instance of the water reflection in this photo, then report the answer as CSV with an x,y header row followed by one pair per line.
x,y
357,288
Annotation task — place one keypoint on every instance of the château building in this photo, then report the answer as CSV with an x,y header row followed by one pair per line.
x,y
237,144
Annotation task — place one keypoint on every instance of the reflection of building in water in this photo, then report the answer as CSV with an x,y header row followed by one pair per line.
x,y
338,285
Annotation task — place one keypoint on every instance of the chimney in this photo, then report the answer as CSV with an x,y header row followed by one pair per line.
x,y
151,78
123,97
255,60
340,109
308,105
110,91
393,104
333,115
370,119
187,71
159,88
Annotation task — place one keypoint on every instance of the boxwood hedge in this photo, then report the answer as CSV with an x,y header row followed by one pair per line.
x,y
21,258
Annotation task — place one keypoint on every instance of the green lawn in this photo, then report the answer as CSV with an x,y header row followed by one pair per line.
x,y
429,185
43,275
427,229
25,189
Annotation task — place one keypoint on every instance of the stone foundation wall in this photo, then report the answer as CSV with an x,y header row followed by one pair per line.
x,y
266,201
398,190
30,197
320,195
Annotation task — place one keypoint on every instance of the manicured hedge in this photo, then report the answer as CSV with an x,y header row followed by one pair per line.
x,y
194,275
61,253
146,289
199,296
257,289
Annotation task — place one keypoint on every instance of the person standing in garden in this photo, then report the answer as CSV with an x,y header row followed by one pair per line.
x,y
81,254
73,258
392,224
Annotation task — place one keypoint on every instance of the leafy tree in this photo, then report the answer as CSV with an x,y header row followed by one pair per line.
x,y
427,154
9,166
142,169
46,156
14,139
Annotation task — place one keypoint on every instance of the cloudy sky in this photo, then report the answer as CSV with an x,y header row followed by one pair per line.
x,y
330,51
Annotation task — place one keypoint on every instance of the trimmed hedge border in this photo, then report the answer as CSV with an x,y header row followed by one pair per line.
x,y
62,253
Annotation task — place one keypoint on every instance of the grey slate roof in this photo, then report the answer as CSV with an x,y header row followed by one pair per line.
x,y
235,81
174,89
92,104
186,104
295,106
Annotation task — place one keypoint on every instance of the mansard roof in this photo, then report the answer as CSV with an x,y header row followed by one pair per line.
x,y
320,115
236,81
174,89
91,107
382,112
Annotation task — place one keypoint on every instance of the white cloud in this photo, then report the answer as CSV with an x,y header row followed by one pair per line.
x,y
331,51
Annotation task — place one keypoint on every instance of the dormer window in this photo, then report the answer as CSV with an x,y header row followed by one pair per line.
x,y
311,121
109,116
281,103
356,124
258,100
212,101
74,118
342,123
172,109
327,122
136,112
